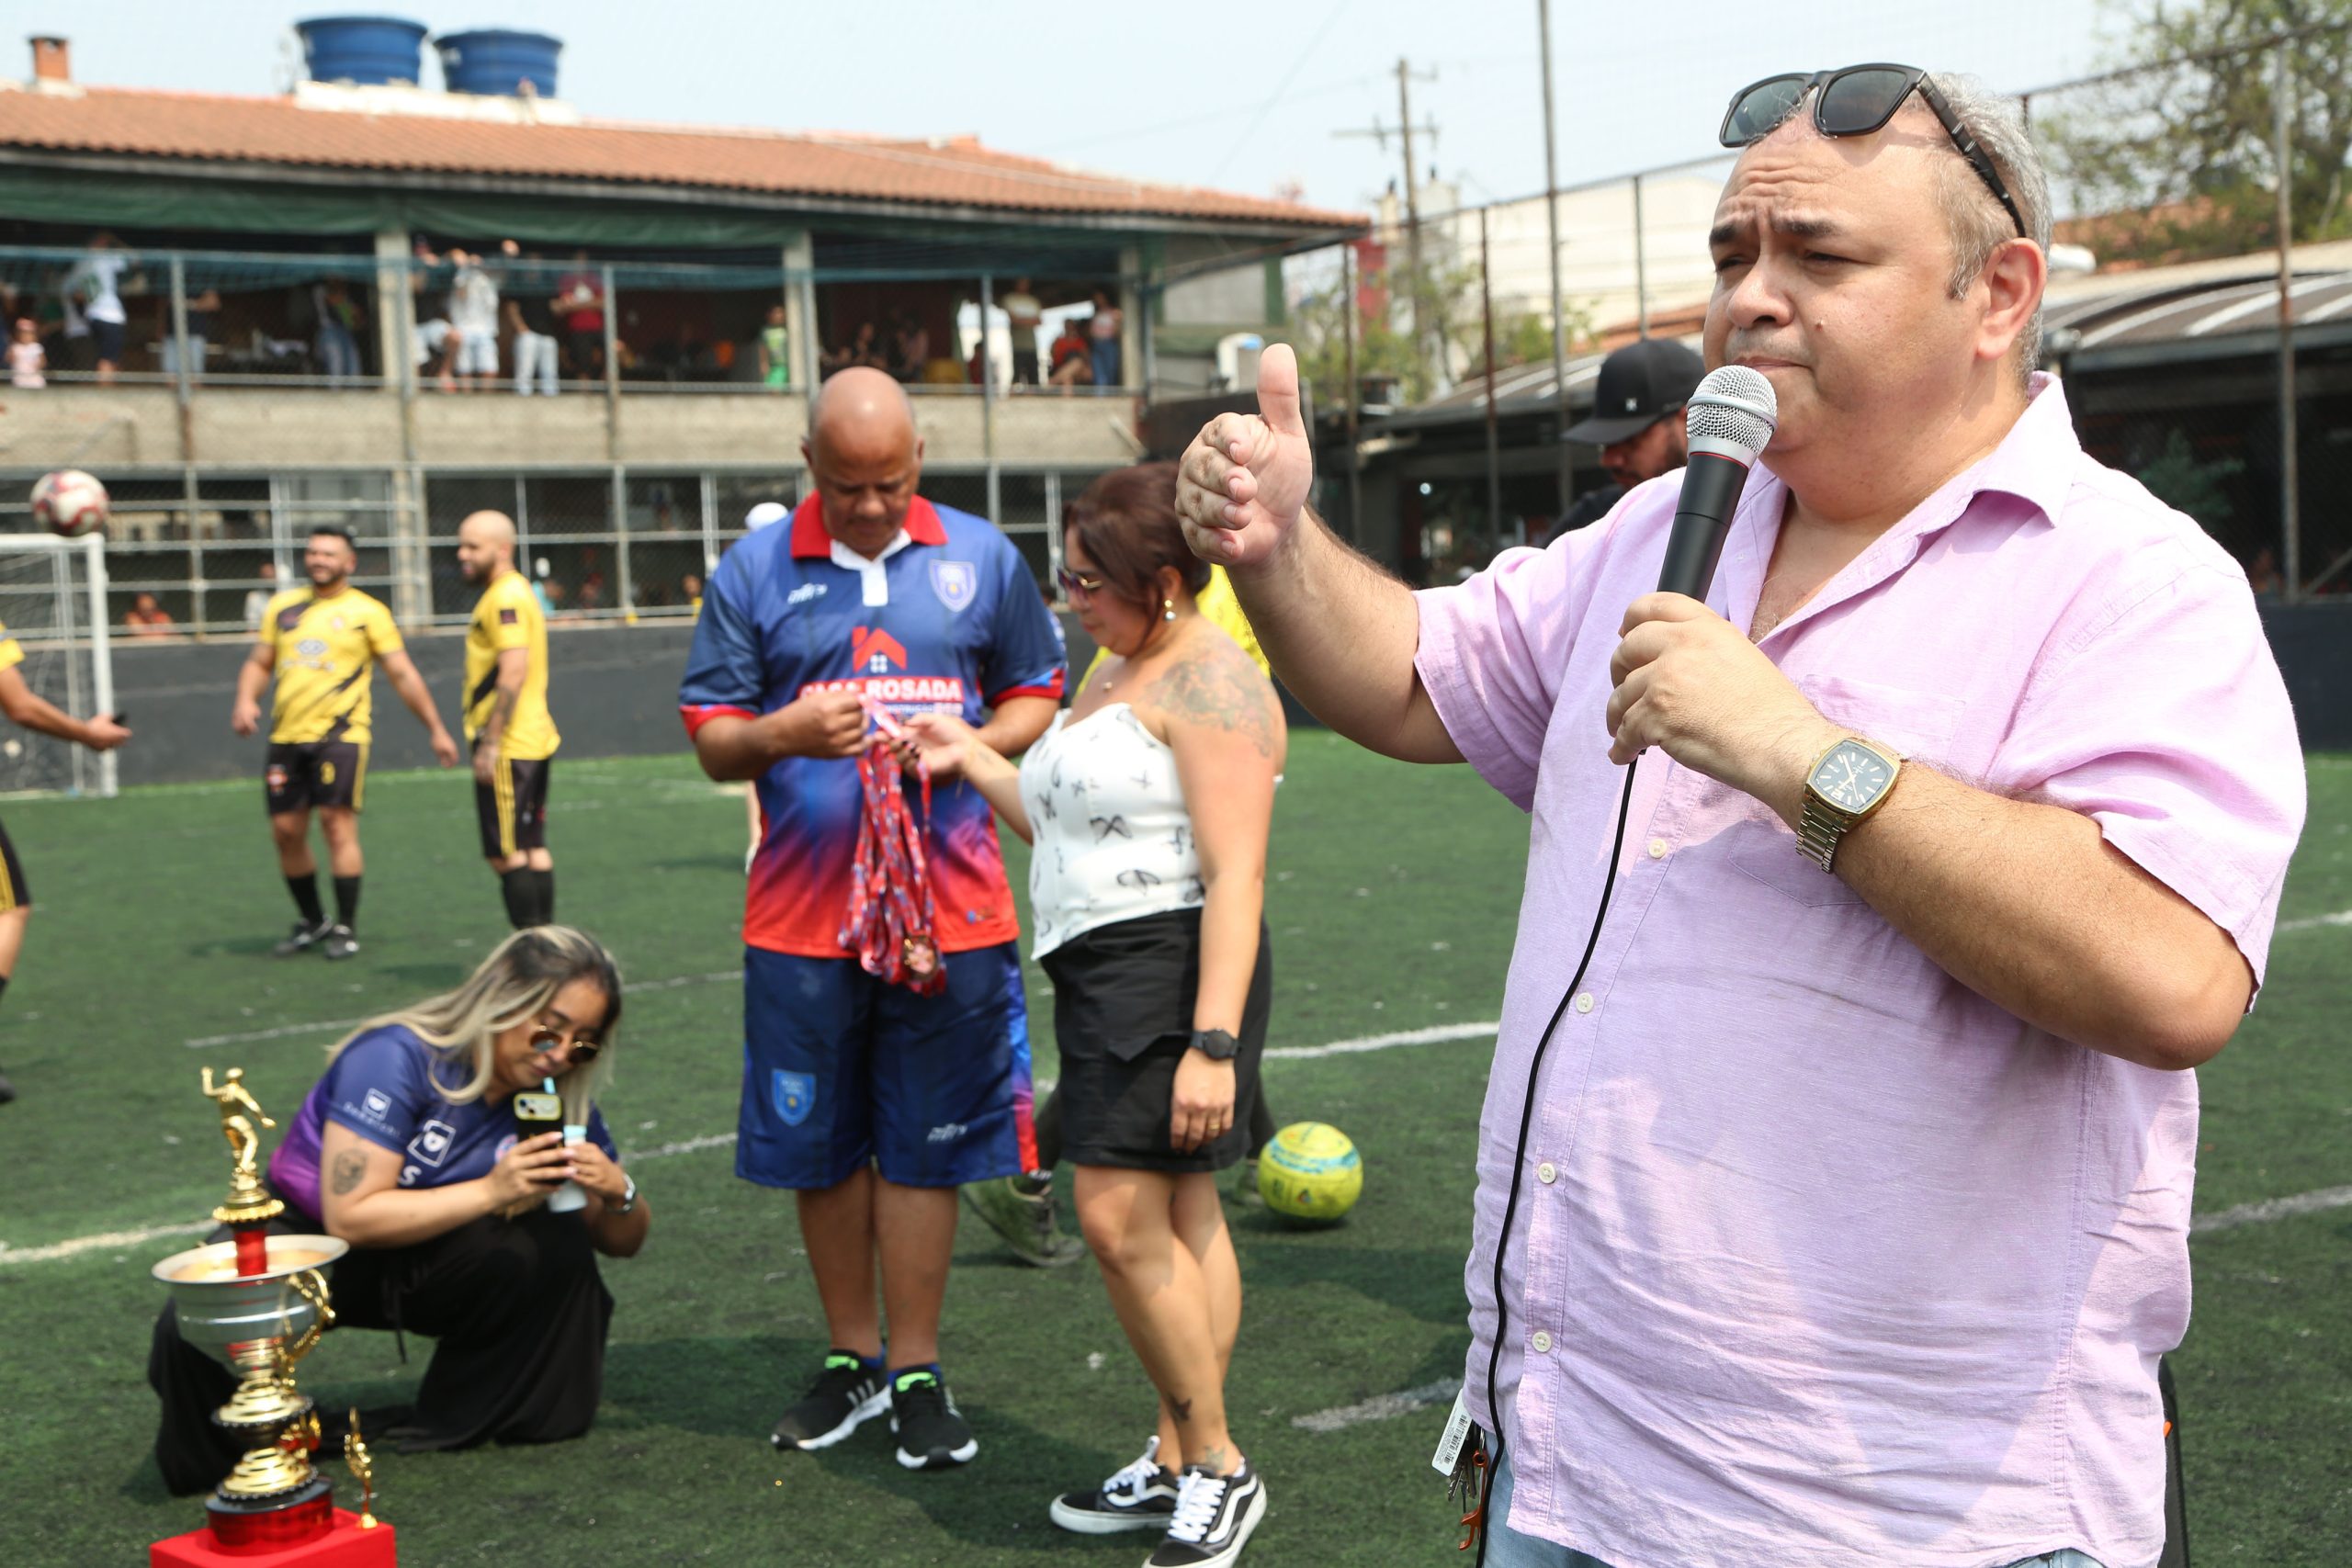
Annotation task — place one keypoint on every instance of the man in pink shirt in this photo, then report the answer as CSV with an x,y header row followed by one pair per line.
x,y
1854,1202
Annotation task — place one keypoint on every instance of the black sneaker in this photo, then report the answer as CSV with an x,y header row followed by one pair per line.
x,y
931,1433
338,942
1246,1193
846,1393
1140,1497
1021,1210
302,938
1214,1515
8,1089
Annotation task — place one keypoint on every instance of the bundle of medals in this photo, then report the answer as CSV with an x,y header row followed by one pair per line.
x,y
891,918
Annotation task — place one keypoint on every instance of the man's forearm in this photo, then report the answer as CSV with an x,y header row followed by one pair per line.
x,y
2030,907
417,697
1342,633
493,728
732,749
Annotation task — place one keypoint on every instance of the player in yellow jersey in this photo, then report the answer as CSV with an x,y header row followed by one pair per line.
x,y
29,708
322,643
507,724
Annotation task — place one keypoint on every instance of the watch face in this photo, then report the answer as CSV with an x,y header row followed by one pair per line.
x,y
1852,776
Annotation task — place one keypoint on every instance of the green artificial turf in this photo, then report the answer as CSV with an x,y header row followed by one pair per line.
x,y
1393,905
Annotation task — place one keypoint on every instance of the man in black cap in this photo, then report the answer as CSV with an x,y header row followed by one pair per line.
x,y
1635,421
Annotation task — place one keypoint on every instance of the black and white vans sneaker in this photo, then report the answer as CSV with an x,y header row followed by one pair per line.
x,y
932,1432
1140,1497
302,938
1214,1515
845,1394
339,943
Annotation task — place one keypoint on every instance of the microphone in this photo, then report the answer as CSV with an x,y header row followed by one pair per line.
x,y
1730,418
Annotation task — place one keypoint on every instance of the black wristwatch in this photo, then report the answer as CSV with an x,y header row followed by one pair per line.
x,y
1216,1045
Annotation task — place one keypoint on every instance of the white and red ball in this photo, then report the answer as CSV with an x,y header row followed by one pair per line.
x,y
70,502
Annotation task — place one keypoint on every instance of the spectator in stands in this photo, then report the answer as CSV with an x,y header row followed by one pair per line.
x,y
26,359
473,315
147,618
435,350
580,297
775,357
913,346
95,286
1026,315
1072,364
257,599
690,591
202,307
337,341
531,319
1103,335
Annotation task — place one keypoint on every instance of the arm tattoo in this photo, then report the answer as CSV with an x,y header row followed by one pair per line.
x,y
1222,691
349,1167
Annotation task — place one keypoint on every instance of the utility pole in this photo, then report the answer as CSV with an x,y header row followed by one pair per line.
x,y
1551,225
1380,133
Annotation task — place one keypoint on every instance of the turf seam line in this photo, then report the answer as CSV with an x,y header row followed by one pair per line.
x,y
2269,1209
2313,922
1379,1408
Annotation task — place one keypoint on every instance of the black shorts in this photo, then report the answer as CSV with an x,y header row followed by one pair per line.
x,y
325,773
16,894
108,337
1123,1019
514,807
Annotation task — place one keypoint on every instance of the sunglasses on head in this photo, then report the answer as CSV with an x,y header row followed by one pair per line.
x,y
582,1045
1856,101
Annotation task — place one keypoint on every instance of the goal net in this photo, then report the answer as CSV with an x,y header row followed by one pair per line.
x,y
52,600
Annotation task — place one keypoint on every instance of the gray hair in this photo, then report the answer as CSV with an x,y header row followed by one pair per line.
x,y
1974,217
514,984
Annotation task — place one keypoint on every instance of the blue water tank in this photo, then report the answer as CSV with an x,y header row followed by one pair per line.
x,y
496,60
366,50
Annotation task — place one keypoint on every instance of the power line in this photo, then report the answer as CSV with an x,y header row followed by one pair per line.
x,y
1281,87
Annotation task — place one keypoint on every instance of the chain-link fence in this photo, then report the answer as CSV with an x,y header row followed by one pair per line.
x,y
2174,318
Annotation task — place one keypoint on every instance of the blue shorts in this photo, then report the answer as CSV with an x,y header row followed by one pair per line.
x,y
841,1071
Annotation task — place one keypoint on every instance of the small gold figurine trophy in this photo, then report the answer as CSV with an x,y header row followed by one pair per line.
x,y
363,1469
257,1303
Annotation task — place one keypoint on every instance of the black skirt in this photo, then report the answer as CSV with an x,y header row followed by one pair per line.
x,y
1123,1019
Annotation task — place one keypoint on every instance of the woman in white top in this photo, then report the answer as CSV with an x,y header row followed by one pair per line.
x,y
1147,804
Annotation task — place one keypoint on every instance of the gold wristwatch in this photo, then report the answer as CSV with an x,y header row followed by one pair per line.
x,y
1848,782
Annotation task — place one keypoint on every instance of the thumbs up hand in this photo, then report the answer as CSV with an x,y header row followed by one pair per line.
x,y
1244,480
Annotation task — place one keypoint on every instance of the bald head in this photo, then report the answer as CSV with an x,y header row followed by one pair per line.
x,y
486,545
863,457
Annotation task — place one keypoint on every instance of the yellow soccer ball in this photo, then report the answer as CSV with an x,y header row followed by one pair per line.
x,y
1310,1172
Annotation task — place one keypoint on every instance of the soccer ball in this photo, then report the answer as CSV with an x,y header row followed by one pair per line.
x,y
70,502
1310,1172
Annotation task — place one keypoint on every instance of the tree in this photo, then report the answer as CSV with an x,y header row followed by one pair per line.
x,y
1384,345
2177,159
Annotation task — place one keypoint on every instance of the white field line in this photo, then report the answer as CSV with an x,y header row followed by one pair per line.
x,y
1435,1035
2313,922
2270,1209
1380,1407
329,1026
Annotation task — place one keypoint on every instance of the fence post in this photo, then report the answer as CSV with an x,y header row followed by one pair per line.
x,y
988,394
1054,529
1566,459
1354,392
179,357
621,576
2291,512
612,369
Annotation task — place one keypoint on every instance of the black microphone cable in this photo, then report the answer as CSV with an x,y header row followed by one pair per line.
x,y
1519,1155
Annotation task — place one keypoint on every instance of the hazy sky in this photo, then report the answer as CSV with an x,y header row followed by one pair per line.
x,y
1244,97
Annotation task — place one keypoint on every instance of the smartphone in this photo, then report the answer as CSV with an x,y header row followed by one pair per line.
x,y
537,1112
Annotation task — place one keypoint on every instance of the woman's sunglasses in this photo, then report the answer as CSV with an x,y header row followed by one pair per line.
x,y
582,1046
1856,101
1077,583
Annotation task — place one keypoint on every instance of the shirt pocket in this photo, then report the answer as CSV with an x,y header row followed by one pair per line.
x,y
1918,726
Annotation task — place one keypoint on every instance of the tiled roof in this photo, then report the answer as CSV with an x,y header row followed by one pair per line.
x,y
958,172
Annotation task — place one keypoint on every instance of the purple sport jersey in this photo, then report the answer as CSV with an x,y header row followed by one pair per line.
x,y
947,620
386,1085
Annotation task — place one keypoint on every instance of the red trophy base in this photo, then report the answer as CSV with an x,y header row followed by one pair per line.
x,y
345,1545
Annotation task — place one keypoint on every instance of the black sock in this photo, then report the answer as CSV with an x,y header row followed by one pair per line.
x,y
1049,1130
543,905
4,984
514,886
346,900
305,889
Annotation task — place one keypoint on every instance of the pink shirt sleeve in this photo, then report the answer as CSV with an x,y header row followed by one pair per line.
x,y
1492,651
2163,718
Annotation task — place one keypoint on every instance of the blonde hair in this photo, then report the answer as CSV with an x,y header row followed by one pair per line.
x,y
514,984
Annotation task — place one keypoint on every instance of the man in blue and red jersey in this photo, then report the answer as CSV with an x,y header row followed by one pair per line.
x,y
874,1104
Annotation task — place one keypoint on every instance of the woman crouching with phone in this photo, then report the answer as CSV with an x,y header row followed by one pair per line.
x,y
421,1146
1149,803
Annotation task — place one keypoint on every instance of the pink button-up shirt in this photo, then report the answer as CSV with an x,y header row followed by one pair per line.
x,y
1820,1257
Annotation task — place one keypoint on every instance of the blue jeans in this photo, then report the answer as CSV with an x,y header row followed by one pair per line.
x,y
1508,1548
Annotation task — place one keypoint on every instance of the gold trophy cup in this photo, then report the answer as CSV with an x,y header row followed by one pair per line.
x,y
258,1303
